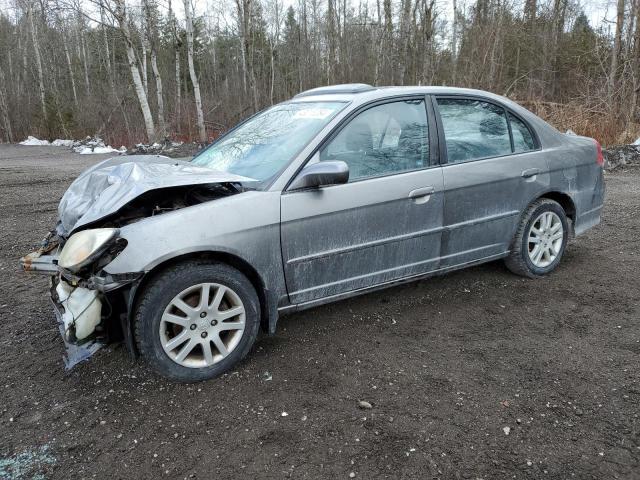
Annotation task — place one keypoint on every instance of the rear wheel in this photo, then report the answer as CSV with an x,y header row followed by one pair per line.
x,y
197,320
540,240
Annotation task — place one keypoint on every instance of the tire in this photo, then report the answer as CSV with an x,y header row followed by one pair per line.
x,y
520,259
163,330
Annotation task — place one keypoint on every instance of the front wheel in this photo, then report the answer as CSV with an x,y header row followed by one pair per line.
x,y
540,240
197,320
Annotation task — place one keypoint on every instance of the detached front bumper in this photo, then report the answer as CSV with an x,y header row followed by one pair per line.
x,y
89,316
78,309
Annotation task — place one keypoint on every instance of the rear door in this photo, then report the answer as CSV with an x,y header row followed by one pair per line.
x,y
493,168
384,224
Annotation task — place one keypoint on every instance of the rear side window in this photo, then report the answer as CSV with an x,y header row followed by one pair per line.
x,y
473,129
522,138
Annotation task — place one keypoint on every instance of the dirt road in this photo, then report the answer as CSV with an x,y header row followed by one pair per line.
x,y
450,366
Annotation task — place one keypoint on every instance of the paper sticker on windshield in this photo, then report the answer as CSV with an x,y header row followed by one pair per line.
x,y
316,113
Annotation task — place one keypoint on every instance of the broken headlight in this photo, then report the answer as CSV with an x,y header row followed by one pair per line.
x,y
85,247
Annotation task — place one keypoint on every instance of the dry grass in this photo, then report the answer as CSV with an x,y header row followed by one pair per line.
x,y
596,122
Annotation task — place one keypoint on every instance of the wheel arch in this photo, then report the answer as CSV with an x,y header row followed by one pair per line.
x,y
268,303
565,201
568,205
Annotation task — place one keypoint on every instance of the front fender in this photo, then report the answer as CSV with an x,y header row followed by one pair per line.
x,y
244,229
246,226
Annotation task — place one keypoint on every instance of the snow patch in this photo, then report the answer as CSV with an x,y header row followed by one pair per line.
x,y
84,147
33,141
99,150
95,145
58,142
168,148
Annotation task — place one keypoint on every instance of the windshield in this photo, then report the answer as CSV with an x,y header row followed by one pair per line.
x,y
266,143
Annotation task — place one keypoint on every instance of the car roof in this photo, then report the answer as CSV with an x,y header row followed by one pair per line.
x,y
365,92
360,93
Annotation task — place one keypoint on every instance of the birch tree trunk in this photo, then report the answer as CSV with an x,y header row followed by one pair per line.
x,y
454,43
158,80
36,48
331,33
192,71
273,70
245,27
241,7
145,77
273,44
85,63
120,14
385,45
152,39
178,89
405,31
71,76
105,41
176,50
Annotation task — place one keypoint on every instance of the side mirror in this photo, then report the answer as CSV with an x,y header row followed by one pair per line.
x,y
320,174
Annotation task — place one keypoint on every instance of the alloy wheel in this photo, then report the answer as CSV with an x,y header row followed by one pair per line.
x,y
545,239
202,325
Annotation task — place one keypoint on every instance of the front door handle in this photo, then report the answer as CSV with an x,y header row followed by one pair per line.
x,y
531,172
422,195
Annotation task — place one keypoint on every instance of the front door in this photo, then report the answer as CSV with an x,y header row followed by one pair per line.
x,y
383,225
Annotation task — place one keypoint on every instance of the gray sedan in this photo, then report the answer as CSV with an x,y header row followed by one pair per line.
x,y
340,191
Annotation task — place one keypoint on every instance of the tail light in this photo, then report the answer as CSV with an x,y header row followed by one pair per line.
x,y
600,157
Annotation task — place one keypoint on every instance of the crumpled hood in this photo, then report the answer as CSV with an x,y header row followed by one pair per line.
x,y
108,186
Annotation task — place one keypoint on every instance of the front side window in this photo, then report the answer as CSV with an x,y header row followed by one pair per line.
x,y
473,129
385,139
266,143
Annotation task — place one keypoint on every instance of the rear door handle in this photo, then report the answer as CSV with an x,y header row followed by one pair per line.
x,y
531,172
422,195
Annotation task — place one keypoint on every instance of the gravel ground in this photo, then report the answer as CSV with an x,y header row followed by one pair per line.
x,y
477,374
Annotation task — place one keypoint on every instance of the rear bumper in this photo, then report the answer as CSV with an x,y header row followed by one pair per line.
x,y
587,220
591,217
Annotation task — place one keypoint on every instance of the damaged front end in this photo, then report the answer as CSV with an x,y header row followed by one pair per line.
x,y
93,307
85,299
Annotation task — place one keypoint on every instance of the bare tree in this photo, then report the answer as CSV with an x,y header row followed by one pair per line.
x,y
202,133
274,40
244,10
617,48
38,59
4,109
120,14
152,38
173,25
64,71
